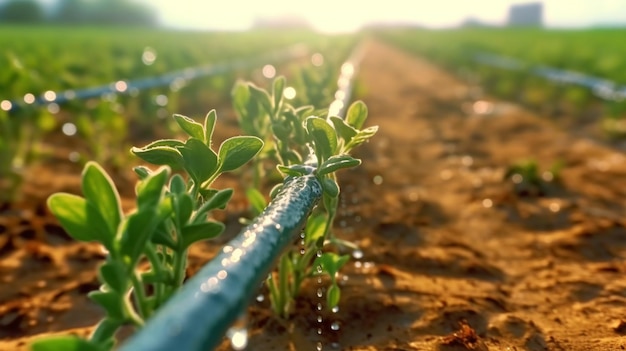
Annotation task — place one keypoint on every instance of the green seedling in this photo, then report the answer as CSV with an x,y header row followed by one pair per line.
x,y
529,180
173,212
303,143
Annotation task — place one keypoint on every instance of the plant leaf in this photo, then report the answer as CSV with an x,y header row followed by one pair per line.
x,y
138,231
113,273
142,172
163,237
345,131
256,199
361,137
191,127
164,142
294,170
150,190
357,114
209,126
160,155
331,263
184,207
111,301
277,91
261,97
337,162
333,295
199,160
237,151
80,219
177,185
100,192
330,186
323,136
65,343
218,200
201,231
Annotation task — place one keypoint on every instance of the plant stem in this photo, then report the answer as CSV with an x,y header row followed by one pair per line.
x,y
139,294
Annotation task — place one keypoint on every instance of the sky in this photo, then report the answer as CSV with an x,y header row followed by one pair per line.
x,y
350,15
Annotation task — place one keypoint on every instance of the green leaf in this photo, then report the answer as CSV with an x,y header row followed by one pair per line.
x,y
199,160
331,263
218,200
111,301
142,172
164,142
361,137
162,236
315,227
177,185
191,127
100,192
256,199
344,130
160,155
139,229
184,207
201,231
357,114
150,190
80,219
337,162
330,186
323,136
209,126
333,295
113,273
294,170
236,151
261,97
277,91
65,343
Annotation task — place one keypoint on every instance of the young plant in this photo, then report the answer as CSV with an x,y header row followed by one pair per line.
x,y
147,248
303,143
528,180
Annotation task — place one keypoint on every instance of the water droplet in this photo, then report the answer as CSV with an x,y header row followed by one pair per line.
x,y
319,280
335,345
319,306
319,293
378,180
319,269
238,337
302,251
334,326
319,319
260,298
335,309
487,203
302,235
357,254
319,331
318,347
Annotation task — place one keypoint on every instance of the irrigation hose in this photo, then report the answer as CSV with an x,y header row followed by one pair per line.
x,y
198,316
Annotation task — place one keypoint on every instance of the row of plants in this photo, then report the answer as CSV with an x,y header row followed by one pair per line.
x,y
107,123
593,52
147,248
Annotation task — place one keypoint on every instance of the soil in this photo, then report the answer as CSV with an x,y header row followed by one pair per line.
x,y
456,255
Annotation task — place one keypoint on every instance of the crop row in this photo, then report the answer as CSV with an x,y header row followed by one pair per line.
x,y
43,68
525,59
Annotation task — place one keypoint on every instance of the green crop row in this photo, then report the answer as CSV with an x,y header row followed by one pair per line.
x,y
42,60
593,52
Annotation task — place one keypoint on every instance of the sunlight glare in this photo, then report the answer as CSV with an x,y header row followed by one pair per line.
x,y
6,105
269,71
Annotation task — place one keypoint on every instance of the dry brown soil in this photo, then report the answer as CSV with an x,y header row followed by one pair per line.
x,y
455,255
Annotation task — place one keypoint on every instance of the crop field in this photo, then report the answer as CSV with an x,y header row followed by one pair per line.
x,y
392,189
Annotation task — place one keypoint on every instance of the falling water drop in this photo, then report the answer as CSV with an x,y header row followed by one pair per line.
x,y
335,309
334,326
319,293
319,306
260,298
319,319
357,254
318,347
238,334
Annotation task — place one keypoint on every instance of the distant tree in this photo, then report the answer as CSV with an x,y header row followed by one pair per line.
x,y
21,11
105,12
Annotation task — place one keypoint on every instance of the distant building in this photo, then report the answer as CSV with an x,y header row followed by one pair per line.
x,y
528,15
